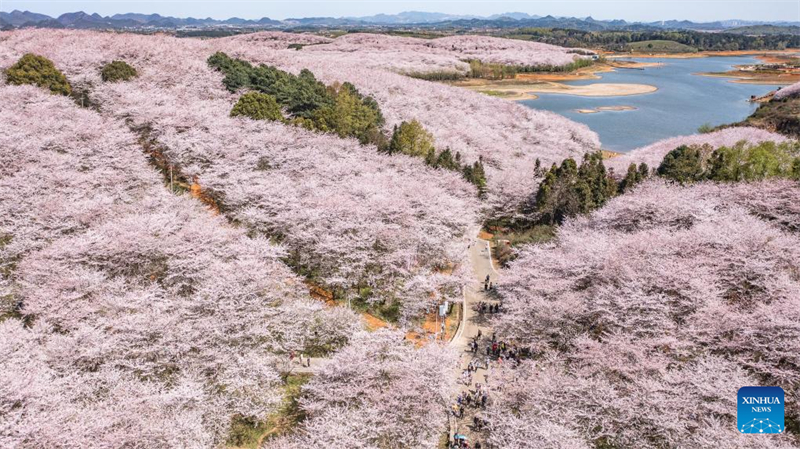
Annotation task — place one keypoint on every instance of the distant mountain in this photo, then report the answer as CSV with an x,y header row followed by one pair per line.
x,y
329,22
417,19
540,22
18,18
140,18
82,20
409,17
512,15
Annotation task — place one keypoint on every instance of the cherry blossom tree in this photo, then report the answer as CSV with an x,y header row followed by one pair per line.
x,y
645,318
131,317
508,136
415,55
378,392
787,92
374,227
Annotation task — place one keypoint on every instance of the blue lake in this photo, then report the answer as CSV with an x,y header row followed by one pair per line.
x,y
683,102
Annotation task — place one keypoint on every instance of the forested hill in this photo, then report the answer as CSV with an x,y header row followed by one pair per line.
x,y
763,30
622,40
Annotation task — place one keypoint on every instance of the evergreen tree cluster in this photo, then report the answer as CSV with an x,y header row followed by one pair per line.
x,y
619,40
38,71
569,189
413,139
740,162
633,176
339,109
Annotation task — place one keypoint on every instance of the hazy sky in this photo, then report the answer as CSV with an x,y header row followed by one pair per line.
x,y
636,10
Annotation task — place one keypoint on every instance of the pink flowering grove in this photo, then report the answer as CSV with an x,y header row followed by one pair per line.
x,y
364,396
415,55
138,318
646,317
140,315
787,92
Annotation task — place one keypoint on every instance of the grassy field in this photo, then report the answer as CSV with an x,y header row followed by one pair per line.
x,y
660,47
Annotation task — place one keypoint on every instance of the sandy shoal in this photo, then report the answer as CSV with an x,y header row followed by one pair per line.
x,y
529,91
605,108
592,90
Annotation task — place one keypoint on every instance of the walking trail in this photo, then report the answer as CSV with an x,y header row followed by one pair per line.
x,y
472,322
481,259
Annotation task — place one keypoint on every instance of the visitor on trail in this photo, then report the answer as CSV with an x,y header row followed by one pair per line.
x,y
479,333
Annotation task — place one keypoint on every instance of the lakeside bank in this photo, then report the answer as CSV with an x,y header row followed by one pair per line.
x,y
525,86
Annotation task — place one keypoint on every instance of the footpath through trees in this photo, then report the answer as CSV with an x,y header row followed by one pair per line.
x,y
477,350
474,366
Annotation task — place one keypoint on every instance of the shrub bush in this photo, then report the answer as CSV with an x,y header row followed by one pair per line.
x,y
117,71
39,71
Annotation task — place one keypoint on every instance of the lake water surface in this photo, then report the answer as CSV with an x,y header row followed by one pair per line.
x,y
681,104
